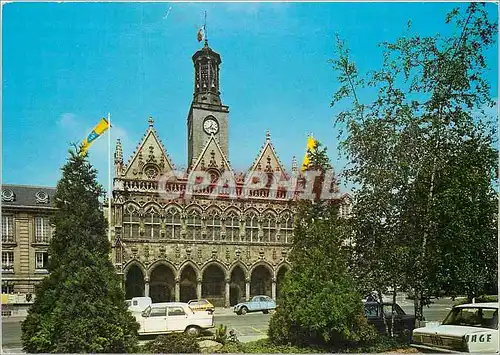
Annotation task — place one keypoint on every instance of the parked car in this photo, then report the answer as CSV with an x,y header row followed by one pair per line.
x,y
173,317
262,304
201,305
138,304
375,312
469,327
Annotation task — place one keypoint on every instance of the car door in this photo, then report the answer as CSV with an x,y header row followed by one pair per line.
x,y
254,304
267,303
155,319
373,312
177,319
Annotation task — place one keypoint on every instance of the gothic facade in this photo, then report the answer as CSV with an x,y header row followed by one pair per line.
x,y
221,242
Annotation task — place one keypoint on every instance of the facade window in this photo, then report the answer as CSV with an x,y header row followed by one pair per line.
x,y
194,225
8,289
232,226
269,228
7,229
173,224
252,226
42,229
213,226
7,260
287,228
41,259
152,224
131,222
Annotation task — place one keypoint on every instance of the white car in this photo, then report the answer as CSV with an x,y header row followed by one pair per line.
x,y
469,327
173,317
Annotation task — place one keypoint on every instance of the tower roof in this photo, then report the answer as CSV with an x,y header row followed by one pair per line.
x,y
206,51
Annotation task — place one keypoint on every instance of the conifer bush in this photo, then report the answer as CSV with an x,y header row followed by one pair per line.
x,y
79,307
319,303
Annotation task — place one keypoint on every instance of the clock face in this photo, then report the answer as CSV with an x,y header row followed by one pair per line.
x,y
210,126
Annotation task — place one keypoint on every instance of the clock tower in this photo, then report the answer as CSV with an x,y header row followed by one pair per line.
x,y
207,115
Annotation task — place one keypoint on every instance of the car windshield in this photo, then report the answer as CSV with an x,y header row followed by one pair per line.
x,y
473,317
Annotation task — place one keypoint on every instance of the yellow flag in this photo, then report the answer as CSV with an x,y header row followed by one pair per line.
x,y
311,146
101,127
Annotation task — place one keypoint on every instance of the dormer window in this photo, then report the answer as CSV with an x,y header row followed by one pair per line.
x,y
8,196
41,197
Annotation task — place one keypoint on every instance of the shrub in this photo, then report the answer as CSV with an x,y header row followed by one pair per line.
x,y
319,303
221,334
176,343
79,307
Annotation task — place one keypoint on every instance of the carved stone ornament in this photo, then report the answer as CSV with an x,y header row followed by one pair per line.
x,y
146,251
41,197
8,196
238,254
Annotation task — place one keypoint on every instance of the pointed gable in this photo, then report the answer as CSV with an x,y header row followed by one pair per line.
x,y
211,157
150,159
267,161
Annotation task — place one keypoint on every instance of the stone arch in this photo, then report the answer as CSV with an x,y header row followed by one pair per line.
x,y
189,275
194,206
137,263
282,269
237,283
173,206
214,276
162,277
261,278
152,204
134,275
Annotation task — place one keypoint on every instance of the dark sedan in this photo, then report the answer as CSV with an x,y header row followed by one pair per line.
x,y
403,323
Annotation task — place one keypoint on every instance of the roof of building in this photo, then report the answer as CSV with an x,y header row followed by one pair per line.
x,y
28,196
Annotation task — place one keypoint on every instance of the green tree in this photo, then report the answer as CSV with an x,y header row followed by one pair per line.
x,y
422,154
319,304
79,306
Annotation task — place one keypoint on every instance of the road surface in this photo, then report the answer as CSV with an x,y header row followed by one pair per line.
x,y
249,327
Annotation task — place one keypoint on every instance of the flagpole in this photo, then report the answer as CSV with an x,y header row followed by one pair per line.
x,y
109,178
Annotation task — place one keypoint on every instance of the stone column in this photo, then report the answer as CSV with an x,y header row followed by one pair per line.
x,y
273,289
146,286
226,301
247,289
198,288
177,290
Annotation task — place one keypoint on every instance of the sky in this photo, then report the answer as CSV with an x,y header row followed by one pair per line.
x,y
66,65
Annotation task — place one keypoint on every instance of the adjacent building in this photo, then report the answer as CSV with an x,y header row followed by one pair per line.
x,y
26,232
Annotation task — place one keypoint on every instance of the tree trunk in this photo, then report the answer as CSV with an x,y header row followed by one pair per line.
x,y
379,293
418,308
393,312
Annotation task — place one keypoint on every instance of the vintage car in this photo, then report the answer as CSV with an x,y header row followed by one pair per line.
x,y
469,327
173,317
201,305
262,304
375,312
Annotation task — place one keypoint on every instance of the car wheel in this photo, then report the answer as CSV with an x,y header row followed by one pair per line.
x,y
244,310
192,330
265,311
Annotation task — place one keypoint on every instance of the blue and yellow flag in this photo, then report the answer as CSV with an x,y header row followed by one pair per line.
x,y
311,145
101,127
